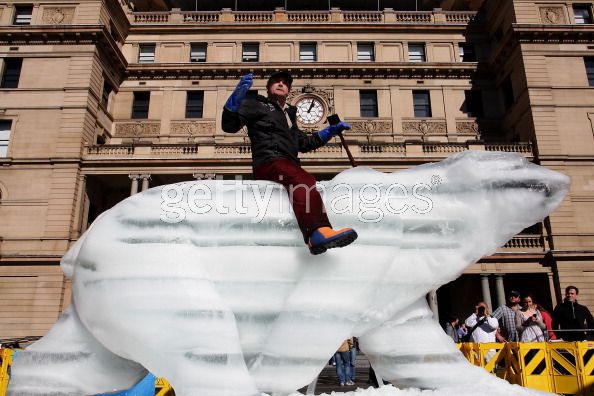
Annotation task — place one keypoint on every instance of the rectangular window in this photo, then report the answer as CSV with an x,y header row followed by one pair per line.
x,y
307,52
194,104
4,137
140,104
250,52
467,52
198,52
416,52
22,15
146,53
107,88
589,62
422,103
473,100
12,72
368,103
582,14
365,52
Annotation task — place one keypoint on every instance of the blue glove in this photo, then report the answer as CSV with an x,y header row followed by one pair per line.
x,y
328,133
240,92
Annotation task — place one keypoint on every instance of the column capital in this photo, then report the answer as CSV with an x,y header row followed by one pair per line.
x,y
134,176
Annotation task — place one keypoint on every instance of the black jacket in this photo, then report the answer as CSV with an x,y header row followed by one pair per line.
x,y
269,132
570,315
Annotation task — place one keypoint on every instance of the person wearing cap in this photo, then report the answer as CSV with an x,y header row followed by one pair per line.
x,y
276,141
506,315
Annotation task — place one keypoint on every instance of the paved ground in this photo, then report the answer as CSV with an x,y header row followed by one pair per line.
x,y
328,381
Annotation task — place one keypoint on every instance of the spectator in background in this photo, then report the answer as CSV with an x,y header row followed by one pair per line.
x,y
462,332
451,328
506,316
570,315
481,325
548,320
353,358
529,323
343,362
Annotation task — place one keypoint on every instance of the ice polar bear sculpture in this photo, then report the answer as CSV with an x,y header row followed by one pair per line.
x,y
208,283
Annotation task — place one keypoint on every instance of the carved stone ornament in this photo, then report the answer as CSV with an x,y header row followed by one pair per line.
x,y
58,15
552,15
193,128
326,95
137,129
467,128
371,126
424,127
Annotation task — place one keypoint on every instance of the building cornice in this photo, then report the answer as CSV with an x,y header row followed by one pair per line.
x,y
212,71
65,35
540,33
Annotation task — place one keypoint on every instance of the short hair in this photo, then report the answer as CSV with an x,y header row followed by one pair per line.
x,y
568,288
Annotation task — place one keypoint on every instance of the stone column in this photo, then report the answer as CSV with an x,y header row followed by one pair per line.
x,y
486,290
134,186
432,297
552,288
500,290
145,182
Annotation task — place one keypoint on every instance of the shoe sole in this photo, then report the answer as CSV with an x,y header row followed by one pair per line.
x,y
342,241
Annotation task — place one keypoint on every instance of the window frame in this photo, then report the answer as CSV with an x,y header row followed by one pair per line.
x,y
203,46
13,72
147,59
250,46
18,13
4,146
361,56
423,54
368,110
192,108
140,113
422,110
313,46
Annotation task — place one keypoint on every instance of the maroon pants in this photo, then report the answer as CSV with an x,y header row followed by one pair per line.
x,y
301,187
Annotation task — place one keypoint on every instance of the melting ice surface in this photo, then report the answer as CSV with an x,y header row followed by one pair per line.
x,y
208,283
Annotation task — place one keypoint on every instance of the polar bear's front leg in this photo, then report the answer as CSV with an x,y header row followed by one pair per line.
x,y
69,360
412,350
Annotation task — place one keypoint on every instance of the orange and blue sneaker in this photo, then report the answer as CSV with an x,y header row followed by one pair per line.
x,y
325,238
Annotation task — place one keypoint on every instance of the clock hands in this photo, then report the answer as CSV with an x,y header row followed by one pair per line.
x,y
311,106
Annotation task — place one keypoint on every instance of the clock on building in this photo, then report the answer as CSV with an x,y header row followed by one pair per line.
x,y
310,110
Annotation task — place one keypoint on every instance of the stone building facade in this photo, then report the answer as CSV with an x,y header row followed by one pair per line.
x,y
100,99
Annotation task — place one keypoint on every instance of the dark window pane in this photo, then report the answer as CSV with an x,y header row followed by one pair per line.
x,y
23,14
467,53
590,70
250,52
474,103
194,104
368,103
422,103
140,105
12,73
582,14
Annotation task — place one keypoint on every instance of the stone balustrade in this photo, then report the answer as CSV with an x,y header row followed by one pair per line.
x,y
362,151
227,16
526,242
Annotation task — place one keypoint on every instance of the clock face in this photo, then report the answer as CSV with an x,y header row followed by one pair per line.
x,y
310,110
